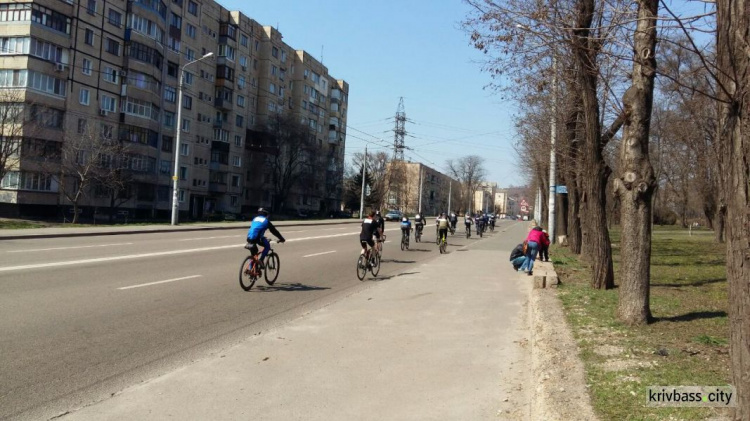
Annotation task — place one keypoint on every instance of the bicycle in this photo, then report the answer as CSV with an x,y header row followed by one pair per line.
x,y
369,260
468,231
492,226
418,234
480,230
405,240
443,244
253,268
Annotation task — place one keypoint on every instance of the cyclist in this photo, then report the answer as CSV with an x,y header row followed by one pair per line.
x,y
418,223
479,222
454,220
442,224
380,225
405,227
467,222
255,234
492,221
369,229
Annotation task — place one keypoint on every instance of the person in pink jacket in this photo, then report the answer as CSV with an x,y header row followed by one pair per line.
x,y
535,240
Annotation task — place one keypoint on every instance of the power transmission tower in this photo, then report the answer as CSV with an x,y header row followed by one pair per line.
x,y
399,132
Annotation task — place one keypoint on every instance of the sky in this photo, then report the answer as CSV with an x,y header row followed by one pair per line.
x,y
415,49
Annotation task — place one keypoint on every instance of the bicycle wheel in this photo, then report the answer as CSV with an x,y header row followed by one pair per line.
x,y
442,247
403,245
246,280
375,268
407,243
361,267
272,267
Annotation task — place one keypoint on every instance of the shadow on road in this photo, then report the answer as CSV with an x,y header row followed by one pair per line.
x,y
397,261
287,287
387,277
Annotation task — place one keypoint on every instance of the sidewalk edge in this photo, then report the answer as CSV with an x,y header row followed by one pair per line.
x,y
557,372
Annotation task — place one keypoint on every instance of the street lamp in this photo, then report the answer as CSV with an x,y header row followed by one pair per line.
x,y
178,125
553,137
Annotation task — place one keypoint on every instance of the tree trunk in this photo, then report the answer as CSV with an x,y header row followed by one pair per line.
x,y
720,222
636,183
733,24
593,169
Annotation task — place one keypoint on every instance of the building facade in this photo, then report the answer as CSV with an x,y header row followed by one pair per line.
x,y
113,68
416,186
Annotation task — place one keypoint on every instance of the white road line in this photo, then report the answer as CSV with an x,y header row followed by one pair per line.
x,y
68,248
320,254
161,282
207,238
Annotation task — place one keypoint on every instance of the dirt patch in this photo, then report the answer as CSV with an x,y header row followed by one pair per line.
x,y
557,371
609,350
622,365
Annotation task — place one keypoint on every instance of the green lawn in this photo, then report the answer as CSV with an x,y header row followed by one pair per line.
x,y
687,343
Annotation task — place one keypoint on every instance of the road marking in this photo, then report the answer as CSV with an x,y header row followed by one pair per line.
x,y
68,248
320,254
207,238
161,282
142,255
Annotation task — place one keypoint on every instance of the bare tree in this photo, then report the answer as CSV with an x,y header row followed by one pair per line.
x,y
636,182
290,158
84,157
470,172
14,125
116,178
733,25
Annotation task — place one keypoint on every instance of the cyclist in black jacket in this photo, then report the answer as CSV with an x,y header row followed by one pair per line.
x,y
369,229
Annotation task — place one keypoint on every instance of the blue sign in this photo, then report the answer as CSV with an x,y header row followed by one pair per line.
x,y
561,189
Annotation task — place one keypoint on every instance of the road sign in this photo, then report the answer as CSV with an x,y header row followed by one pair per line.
x,y
561,189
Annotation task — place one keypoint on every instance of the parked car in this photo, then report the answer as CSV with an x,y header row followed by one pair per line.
x,y
340,214
393,215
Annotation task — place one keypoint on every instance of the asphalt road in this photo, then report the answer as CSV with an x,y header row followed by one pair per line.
x,y
82,318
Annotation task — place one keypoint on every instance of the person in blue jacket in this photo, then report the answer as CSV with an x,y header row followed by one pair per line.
x,y
258,228
405,226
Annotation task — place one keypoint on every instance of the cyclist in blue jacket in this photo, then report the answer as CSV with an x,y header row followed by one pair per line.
x,y
258,228
405,226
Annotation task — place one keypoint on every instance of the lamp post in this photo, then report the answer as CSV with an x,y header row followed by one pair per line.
x,y
178,125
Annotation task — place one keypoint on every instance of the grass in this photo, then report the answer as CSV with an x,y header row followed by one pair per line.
x,y
685,345
13,224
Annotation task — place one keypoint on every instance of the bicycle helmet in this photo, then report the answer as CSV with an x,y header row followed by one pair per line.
x,y
262,211
405,218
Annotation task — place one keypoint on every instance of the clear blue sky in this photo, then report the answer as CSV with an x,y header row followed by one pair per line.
x,y
414,49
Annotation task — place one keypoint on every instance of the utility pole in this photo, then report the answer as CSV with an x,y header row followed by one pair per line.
x,y
364,177
450,190
399,132
421,180
552,155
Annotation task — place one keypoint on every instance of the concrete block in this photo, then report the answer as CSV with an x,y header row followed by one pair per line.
x,y
539,281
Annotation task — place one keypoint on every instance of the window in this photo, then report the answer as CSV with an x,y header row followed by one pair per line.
x,y
88,37
237,162
47,117
239,121
112,47
91,7
168,119
243,40
272,88
166,143
28,181
43,16
190,29
109,103
184,149
188,78
175,21
164,168
185,125
193,8
145,27
145,54
43,83
174,44
243,62
172,69
115,18
187,102
82,125
226,51
170,94
110,75
190,54
240,101
181,194
83,96
234,200
274,70
140,108
87,66
238,140
183,173
283,56
107,131
275,52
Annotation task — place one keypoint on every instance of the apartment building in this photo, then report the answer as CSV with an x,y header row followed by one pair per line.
x,y
411,186
114,67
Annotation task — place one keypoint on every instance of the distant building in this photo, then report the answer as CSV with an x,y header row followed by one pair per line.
x,y
403,191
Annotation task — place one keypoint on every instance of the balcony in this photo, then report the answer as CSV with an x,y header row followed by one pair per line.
x,y
333,137
224,104
217,187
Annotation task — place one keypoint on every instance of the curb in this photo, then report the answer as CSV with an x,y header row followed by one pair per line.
x,y
154,231
557,371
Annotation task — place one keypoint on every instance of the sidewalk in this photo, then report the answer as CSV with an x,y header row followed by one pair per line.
x,y
87,230
445,340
